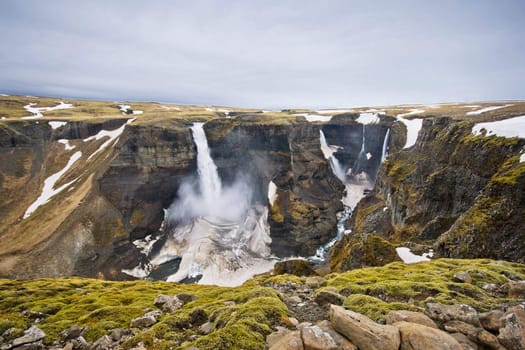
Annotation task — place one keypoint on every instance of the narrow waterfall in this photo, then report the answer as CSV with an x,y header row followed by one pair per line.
x,y
209,180
328,152
361,157
385,146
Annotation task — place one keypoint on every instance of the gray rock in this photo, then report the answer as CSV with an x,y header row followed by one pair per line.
x,y
417,337
143,321
294,299
512,335
517,289
443,313
362,331
72,332
342,342
462,277
492,320
465,342
79,343
229,303
102,343
409,316
118,334
275,337
314,338
31,335
476,334
315,281
290,341
206,328
186,298
167,303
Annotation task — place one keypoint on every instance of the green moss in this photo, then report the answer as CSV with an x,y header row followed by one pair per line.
x,y
373,307
276,213
399,169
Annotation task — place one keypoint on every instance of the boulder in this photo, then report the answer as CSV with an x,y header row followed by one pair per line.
x,y
512,335
465,342
362,331
492,320
342,342
416,337
198,316
326,296
206,328
298,267
314,338
290,341
462,277
71,333
409,316
274,337
32,335
143,321
167,303
186,298
102,343
119,334
315,281
443,313
517,289
476,334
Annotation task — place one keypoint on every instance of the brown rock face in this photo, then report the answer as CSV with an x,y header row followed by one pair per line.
x,y
409,316
415,337
298,267
362,331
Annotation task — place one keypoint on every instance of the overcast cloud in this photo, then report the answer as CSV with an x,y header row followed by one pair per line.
x,y
269,54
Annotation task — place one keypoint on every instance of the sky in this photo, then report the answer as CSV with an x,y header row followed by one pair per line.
x,y
265,54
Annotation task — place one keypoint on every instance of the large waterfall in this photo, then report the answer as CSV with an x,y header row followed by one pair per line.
x,y
328,152
216,235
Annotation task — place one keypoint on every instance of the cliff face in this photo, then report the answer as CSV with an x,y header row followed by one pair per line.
x,y
458,193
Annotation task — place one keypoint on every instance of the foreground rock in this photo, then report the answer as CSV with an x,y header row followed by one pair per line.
x,y
417,337
409,316
512,335
443,313
362,331
33,336
314,338
298,267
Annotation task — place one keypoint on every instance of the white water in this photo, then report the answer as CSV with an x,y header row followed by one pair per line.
x,y
208,177
384,153
272,193
328,152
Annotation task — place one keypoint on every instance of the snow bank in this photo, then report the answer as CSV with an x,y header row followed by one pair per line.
x,y
412,112
409,258
413,127
487,109
37,111
368,118
49,191
522,158
318,118
512,127
66,144
111,135
56,125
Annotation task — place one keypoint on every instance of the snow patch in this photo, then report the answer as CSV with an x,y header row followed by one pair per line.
x,y
4,95
272,192
412,112
410,258
368,156
112,135
512,127
413,127
66,144
368,118
37,111
49,191
522,158
318,118
55,125
487,109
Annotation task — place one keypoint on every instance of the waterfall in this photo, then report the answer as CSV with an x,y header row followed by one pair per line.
x,y
385,146
328,152
209,180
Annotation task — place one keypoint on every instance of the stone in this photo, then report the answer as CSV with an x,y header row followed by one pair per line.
x,y
362,331
465,342
206,328
314,338
167,303
416,336
290,341
72,332
198,316
68,346
462,277
102,343
31,335
476,334
409,316
315,281
512,335
324,297
118,334
517,289
298,267
492,288
295,299
229,303
293,321
80,343
186,298
443,313
273,338
342,342
492,320
143,321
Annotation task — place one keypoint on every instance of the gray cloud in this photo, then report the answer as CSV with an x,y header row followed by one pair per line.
x,y
265,53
